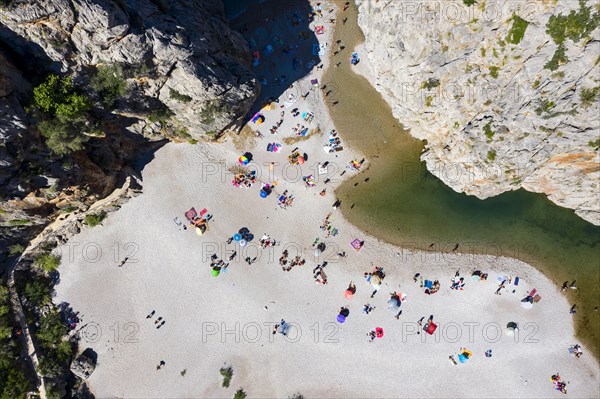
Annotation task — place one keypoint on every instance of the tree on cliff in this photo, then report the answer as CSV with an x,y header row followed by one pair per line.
x,y
66,114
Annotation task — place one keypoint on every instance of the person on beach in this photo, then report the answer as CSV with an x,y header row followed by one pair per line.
x,y
160,365
158,320
151,314
371,334
123,261
367,308
416,277
573,311
351,288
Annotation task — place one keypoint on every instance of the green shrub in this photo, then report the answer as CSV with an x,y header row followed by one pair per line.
x,y
491,155
487,129
430,83
589,96
161,116
469,3
544,106
559,58
595,144
109,83
38,291
18,222
517,30
58,97
210,112
61,137
239,394
15,249
94,219
227,373
575,26
47,262
494,71
66,111
175,95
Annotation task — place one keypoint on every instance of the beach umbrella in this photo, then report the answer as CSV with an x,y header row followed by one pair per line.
x,y
300,160
527,305
215,272
249,237
375,280
237,237
379,332
244,230
243,160
341,318
430,328
510,328
263,194
243,243
394,304
198,231
348,294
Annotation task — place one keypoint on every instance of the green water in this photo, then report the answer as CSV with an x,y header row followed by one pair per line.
x,y
404,204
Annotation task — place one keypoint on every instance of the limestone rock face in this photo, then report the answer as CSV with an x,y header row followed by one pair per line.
x,y
189,58
499,109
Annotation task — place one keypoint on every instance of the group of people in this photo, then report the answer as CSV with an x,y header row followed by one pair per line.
x,y
218,264
285,200
300,130
319,274
327,227
267,241
287,264
276,126
245,179
558,384
334,143
159,322
458,283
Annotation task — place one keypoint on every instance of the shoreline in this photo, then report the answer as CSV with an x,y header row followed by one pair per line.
x,y
541,252
171,276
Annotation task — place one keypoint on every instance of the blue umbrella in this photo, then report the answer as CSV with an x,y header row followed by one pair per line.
x,y
263,194
341,318
237,237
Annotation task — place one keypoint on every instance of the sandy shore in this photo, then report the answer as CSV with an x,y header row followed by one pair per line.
x,y
212,321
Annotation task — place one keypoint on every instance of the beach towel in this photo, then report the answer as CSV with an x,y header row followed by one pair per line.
x,y
191,214
516,282
319,30
428,284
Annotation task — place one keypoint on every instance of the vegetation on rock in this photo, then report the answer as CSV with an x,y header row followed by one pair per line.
x,y
517,30
109,83
574,26
47,262
175,95
94,219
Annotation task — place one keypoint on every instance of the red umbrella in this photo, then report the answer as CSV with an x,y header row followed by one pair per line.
x,y
431,328
379,332
348,294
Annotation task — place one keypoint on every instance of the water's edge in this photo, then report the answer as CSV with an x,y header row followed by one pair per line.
x,y
403,204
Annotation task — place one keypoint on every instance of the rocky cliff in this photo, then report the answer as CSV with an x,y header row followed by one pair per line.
x,y
180,52
505,93
177,69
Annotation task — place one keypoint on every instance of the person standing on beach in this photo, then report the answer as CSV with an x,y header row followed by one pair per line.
x,y
123,261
